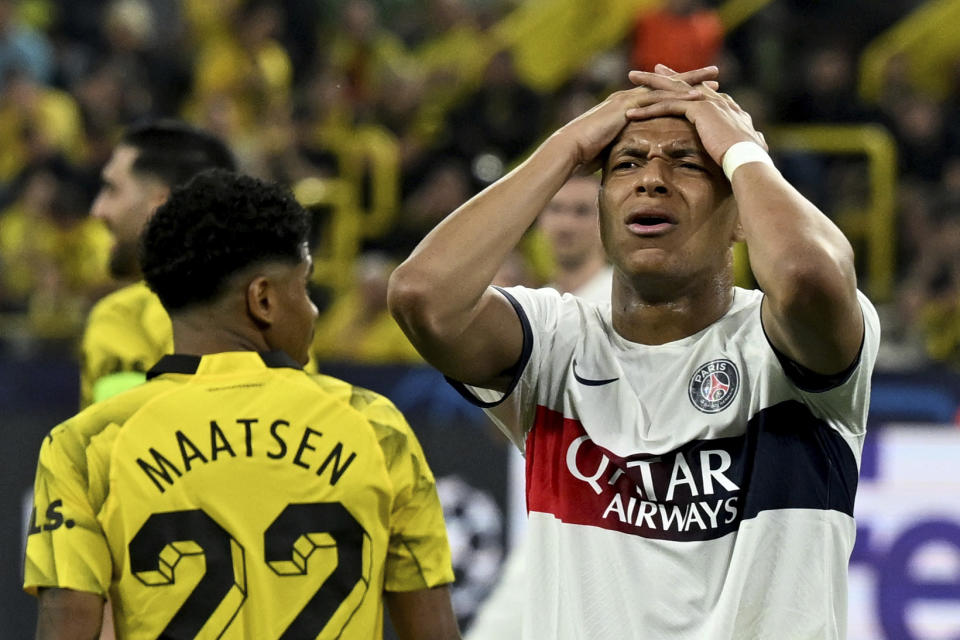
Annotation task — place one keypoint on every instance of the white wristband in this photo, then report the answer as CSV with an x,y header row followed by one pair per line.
x,y
743,153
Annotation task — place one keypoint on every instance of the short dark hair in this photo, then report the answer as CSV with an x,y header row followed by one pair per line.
x,y
173,151
213,227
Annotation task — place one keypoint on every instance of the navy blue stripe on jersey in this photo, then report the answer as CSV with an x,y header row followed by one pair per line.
x,y
798,462
515,371
188,364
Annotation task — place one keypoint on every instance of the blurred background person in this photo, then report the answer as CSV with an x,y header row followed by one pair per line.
x,y
128,330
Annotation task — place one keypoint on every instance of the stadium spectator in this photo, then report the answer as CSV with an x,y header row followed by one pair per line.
x,y
23,49
37,124
484,129
686,396
128,331
52,256
358,326
322,479
682,34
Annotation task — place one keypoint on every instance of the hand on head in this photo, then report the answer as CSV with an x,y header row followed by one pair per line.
x,y
720,122
695,95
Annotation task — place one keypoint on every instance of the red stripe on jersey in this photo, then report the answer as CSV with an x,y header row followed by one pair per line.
x,y
552,488
686,494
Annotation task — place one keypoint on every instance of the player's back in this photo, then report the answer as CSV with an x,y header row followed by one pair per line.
x,y
243,498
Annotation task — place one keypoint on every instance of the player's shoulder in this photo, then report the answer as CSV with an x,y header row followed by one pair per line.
x,y
74,434
128,298
130,318
389,425
369,403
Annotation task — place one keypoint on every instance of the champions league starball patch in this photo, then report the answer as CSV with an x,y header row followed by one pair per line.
x,y
714,386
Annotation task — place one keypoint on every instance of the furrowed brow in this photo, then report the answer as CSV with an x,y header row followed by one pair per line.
x,y
685,152
632,152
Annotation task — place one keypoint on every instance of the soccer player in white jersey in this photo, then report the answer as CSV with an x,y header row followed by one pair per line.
x,y
692,448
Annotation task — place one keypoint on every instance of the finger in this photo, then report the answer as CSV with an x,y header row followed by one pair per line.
x,y
688,78
659,109
642,97
696,76
664,70
713,85
656,80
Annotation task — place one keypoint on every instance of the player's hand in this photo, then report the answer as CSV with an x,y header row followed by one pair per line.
x,y
719,120
590,133
707,76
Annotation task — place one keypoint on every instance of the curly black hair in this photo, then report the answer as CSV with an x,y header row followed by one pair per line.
x,y
213,227
173,151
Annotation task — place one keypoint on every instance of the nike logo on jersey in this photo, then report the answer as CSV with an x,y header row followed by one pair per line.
x,y
589,382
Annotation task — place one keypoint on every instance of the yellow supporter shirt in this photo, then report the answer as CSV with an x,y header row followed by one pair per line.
x,y
236,496
127,332
343,334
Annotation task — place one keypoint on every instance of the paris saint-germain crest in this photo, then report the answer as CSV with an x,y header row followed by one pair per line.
x,y
714,386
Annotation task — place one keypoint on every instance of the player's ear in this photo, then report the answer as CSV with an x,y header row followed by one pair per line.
x,y
738,235
261,301
157,194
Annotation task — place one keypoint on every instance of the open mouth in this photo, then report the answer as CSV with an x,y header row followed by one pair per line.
x,y
650,223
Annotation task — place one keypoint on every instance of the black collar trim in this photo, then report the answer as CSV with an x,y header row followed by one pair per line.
x,y
188,364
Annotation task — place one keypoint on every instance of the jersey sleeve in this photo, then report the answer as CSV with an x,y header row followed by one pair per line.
x,y
66,546
539,311
844,400
419,553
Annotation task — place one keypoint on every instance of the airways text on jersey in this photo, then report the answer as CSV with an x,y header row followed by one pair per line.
x,y
700,491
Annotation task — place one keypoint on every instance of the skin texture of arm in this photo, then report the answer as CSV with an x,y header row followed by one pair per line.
x,y
801,260
65,614
426,614
440,295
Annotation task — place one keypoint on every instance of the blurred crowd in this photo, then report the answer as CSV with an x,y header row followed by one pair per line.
x,y
384,115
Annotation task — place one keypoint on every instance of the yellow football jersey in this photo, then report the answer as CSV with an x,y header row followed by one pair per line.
x,y
127,332
236,496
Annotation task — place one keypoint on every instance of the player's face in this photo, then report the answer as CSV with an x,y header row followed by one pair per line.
x,y
293,331
667,210
125,203
569,222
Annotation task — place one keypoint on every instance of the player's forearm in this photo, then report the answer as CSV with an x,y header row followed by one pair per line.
x,y
65,614
450,269
797,254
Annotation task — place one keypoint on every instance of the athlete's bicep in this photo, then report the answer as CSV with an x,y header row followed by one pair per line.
x,y
65,614
483,349
823,336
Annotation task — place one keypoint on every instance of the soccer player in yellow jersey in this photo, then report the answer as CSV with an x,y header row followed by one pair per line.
x,y
128,330
234,495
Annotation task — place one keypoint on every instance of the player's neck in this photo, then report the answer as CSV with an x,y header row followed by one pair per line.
x,y
659,317
200,332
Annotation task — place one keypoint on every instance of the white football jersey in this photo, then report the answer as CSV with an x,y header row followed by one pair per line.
x,y
699,489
